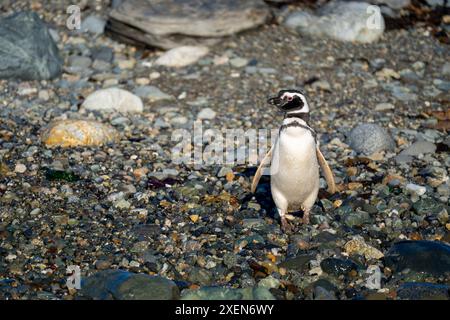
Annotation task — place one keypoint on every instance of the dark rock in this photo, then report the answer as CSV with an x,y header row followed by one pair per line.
x,y
423,291
57,175
200,276
28,52
430,257
427,206
103,53
171,23
146,231
337,267
357,219
298,263
324,290
123,285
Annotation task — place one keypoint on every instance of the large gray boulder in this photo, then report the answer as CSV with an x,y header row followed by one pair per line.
x,y
171,23
123,285
27,51
343,21
369,138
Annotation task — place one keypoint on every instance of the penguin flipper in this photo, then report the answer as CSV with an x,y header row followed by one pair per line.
x,y
326,171
258,173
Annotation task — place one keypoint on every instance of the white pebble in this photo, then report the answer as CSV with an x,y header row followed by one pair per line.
x,y
419,190
181,56
113,99
20,168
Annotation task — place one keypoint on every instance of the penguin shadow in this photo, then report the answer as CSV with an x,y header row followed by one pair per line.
x,y
263,195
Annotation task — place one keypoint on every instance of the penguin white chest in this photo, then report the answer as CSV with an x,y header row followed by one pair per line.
x,y
294,168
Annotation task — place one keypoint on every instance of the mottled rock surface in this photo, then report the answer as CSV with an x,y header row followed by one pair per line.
x,y
171,23
370,138
27,51
113,99
123,285
73,133
340,20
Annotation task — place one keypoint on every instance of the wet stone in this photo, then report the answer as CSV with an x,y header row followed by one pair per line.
x,y
337,267
357,219
200,276
427,207
122,285
222,293
423,291
431,257
299,263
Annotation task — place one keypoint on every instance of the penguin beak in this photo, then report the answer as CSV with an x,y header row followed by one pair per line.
x,y
275,101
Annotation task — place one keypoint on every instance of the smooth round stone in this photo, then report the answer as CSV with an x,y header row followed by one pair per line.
x,y
206,114
113,99
369,138
20,168
73,133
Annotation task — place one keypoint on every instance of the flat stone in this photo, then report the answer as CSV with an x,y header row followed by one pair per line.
x,y
113,99
73,133
28,51
418,148
93,24
298,263
414,188
182,56
238,62
152,93
103,53
171,23
384,106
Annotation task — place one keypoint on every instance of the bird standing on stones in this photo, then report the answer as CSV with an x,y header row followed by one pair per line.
x,y
295,158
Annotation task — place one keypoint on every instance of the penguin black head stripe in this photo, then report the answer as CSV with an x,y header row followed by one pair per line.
x,y
290,100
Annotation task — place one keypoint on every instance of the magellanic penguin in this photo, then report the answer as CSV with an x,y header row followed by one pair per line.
x,y
295,158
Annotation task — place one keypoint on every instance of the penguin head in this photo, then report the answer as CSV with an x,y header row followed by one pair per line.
x,y
290,100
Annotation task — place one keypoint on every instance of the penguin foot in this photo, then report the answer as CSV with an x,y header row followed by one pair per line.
x,y
285,225
306,217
